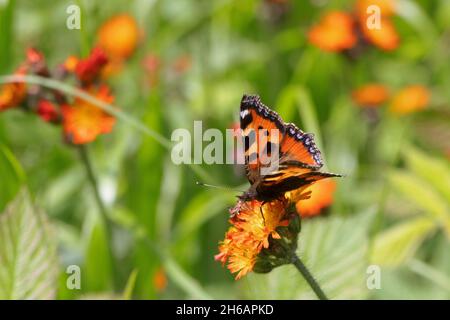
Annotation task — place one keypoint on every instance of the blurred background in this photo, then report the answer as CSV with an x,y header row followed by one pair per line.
x,y
377,102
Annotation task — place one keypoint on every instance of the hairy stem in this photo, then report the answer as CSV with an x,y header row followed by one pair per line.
x,y
308,277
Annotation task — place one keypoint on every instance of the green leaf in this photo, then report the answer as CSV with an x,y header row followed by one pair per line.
x,y
414,14
7,9
435,171
28,260
184,280
398,244
286,102
98,268
308,115
422,194
297,96
432,274
199,210
333,250
11,176
170,190
131,283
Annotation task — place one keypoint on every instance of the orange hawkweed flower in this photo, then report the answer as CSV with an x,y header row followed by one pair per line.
x,y
119,36
88,69
34,56
35,62
321,196
253,224
12,94
47,111
410,99
385,38
335,32
370,95
83,121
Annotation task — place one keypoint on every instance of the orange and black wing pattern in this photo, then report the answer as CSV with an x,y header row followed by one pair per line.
x,y
262,132
298,148
298,157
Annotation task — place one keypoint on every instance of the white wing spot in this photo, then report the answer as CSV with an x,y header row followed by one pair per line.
x,y
244,113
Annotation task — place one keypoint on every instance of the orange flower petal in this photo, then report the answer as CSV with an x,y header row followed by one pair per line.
x,y
83,121
335,32
47,111
385,38
12,94
88,69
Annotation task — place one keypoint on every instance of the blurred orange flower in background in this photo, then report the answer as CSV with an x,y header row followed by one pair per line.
x,y
385,38
370,95
12,94
160,280
83,121
335,32
410,99
322,192
338,31
119,36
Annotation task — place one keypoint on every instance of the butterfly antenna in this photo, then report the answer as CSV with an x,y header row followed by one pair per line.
x,y
216,187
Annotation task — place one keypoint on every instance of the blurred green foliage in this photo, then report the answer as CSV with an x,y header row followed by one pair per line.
x,y
392,208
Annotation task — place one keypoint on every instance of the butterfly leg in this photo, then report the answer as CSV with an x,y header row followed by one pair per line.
x,y
261,211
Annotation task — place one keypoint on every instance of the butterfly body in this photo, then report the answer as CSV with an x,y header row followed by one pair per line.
x,y
279,157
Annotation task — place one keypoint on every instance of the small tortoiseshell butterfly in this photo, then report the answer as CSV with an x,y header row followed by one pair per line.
x,y
267,137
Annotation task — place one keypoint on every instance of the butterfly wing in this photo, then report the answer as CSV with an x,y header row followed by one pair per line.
x,y
291,179
299,149
299,161
262,132
298,156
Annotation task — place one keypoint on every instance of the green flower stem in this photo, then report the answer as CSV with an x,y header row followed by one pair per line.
x,y
308,277
101,206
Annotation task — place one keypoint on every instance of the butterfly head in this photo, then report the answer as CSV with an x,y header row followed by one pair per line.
x,y
248,195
